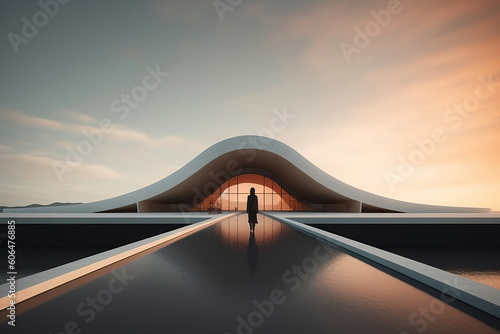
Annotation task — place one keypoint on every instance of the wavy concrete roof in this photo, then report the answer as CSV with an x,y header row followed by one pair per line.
x,y
236,156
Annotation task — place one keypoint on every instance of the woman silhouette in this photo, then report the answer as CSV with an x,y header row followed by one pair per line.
x,y
252,209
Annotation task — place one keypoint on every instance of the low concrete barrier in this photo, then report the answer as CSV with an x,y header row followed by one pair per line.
x,y
481,296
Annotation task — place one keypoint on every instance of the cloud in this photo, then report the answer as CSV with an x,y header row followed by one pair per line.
x,y
22,118
31,177
29,155
6,149
396,91
81,118
35,123
363,114
426,59
428,45
33,167
118,135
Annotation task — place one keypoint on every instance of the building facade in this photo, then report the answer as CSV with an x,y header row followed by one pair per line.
x,y
220,177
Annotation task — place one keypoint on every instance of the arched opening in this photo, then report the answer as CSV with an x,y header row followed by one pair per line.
x,y
232,195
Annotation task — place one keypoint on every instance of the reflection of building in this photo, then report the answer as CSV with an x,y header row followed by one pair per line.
x,y
223,174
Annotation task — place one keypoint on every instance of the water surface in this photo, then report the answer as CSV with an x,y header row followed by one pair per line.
x,y
222,279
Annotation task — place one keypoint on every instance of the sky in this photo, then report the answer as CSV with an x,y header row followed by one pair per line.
x,y
398,98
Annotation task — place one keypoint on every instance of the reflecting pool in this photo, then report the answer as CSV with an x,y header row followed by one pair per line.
x,y
224,279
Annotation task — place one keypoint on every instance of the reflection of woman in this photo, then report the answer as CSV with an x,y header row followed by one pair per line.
x,y
252,209
252,253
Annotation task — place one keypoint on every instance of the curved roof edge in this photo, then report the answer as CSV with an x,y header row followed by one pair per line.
x,y
184,180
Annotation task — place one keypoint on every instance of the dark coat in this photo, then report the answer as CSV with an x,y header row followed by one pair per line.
x,y
252,208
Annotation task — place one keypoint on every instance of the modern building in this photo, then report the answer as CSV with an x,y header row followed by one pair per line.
x,y
220,177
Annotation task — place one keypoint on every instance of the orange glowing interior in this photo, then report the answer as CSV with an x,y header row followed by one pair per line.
x,y
232,195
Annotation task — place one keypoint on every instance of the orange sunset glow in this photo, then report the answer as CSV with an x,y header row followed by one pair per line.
x,y
398,98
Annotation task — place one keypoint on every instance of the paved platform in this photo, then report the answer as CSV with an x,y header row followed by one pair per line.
x,y
225,279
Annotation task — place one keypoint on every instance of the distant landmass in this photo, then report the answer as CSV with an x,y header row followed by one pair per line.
x,y
36,205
